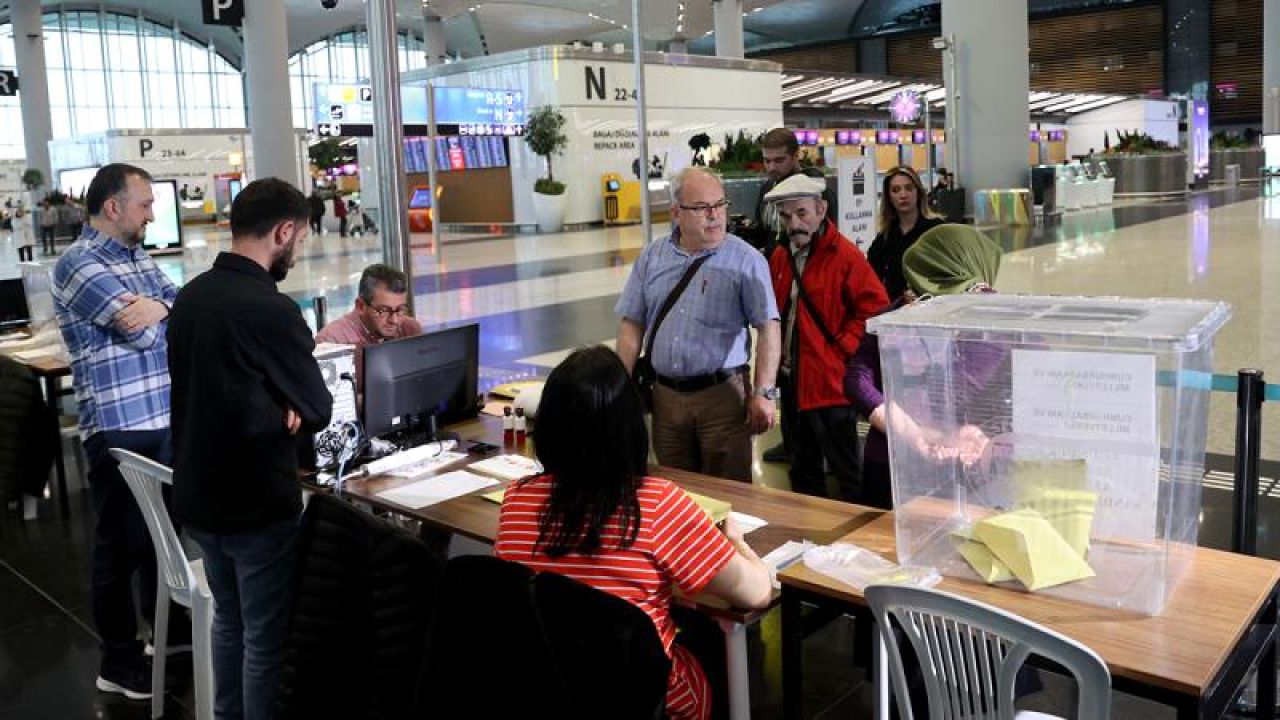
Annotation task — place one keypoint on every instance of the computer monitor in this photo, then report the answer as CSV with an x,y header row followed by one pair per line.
x,y
421,198
13,305
426,376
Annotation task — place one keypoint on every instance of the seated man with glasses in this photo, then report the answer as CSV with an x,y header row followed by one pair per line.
x,y
705,409
380,314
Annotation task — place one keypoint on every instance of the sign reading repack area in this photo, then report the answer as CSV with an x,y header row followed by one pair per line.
x,y
347,110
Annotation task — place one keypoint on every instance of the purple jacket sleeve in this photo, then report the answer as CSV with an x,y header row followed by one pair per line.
x,y
862,382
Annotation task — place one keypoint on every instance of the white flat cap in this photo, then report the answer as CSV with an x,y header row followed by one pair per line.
x,y
796,186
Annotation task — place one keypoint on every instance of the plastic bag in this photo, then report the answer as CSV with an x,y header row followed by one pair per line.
x,y
860,567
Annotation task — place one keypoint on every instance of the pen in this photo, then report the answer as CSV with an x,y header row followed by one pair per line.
x,y
790,561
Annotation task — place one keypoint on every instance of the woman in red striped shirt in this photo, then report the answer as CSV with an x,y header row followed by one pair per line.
x,y
599,518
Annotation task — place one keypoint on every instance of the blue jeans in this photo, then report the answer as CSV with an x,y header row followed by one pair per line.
x,y
251,577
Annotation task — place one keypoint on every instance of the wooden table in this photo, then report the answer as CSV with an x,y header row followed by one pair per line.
x,y
1219,623
790,516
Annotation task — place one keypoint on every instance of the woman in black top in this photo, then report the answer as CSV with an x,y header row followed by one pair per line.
x,y
904,216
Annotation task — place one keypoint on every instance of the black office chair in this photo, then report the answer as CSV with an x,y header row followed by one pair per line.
x,y
362,605
27,443
509,642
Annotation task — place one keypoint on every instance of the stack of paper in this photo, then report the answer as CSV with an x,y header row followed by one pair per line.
x,y
715,509
436,489
1058,490
1032,549
1045,541
507,467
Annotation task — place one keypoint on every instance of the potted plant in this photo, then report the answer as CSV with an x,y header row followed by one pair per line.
x,y
33,179
544,134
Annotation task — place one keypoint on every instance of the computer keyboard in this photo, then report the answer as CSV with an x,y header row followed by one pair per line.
x,y
415,455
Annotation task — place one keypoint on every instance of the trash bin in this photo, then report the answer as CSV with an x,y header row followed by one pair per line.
x,y
1231,173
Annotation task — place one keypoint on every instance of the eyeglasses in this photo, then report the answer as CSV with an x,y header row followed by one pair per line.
x,y
705,209
383,311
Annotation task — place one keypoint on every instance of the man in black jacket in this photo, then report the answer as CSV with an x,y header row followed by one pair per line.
x,y
244,383
781,153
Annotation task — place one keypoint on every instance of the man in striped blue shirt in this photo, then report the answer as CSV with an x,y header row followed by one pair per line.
x,y
112,304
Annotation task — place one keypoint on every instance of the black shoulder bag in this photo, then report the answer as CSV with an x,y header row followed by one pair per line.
x,y
804,298
643,373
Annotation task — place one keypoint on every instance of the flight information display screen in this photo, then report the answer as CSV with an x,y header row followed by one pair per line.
x,y
343,110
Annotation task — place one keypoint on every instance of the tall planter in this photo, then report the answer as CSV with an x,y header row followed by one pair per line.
x,y
549,211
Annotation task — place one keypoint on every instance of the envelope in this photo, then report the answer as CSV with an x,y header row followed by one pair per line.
x,y
1058,490
715,509
1033,550
984,563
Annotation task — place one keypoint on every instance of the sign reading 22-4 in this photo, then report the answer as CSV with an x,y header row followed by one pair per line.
x,y
597,87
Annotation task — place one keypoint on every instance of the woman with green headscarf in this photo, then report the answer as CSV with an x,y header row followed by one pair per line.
x,y
947,259
951,259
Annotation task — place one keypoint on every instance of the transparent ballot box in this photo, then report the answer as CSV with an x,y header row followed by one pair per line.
x,y
1052,444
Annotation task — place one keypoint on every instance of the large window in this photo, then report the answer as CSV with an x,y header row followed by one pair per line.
x,y
341,58
108,70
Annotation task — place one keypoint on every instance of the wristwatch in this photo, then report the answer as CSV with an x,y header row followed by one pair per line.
x,y
768,393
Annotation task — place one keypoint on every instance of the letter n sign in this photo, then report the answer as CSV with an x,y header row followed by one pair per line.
x,y
595,83
223,12
8,83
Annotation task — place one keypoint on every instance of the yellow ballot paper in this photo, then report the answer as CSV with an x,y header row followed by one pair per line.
x,y
512,389
1058,490
1035,552
495,496
984,563
717,510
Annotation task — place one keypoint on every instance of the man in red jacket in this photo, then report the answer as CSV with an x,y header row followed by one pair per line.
x,y
824,315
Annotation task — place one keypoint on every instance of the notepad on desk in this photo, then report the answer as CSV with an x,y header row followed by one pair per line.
x,y
512,389
507,467
437,489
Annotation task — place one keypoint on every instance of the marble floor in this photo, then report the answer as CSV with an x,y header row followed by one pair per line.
x,y
537,296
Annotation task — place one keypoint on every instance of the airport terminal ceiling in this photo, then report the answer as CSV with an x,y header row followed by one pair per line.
x,y
480,27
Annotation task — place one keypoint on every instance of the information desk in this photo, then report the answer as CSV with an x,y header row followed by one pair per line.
x,y
790,516
1220,621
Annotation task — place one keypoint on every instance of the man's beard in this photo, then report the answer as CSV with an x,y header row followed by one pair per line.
x,y
281,263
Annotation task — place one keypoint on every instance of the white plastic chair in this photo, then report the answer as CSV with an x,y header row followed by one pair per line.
x,y
183,582
970,653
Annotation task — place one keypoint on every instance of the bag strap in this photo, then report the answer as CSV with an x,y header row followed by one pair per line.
x,y
804,297
671,300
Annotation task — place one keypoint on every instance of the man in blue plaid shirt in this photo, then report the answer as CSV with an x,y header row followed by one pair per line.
x,y
112,303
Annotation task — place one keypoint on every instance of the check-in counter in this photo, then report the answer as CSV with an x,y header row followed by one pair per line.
x,y
1250,160
1153,174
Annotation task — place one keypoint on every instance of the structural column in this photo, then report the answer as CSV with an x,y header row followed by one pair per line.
x,y
987,79
1271,66
266,71
1186,61
33,85
434,38
388,135
728,19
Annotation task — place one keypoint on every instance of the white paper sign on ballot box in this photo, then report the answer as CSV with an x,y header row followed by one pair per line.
x,y
1100,407
857,199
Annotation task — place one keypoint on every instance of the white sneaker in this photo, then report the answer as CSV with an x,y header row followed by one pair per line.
x,y
150,650
133,685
